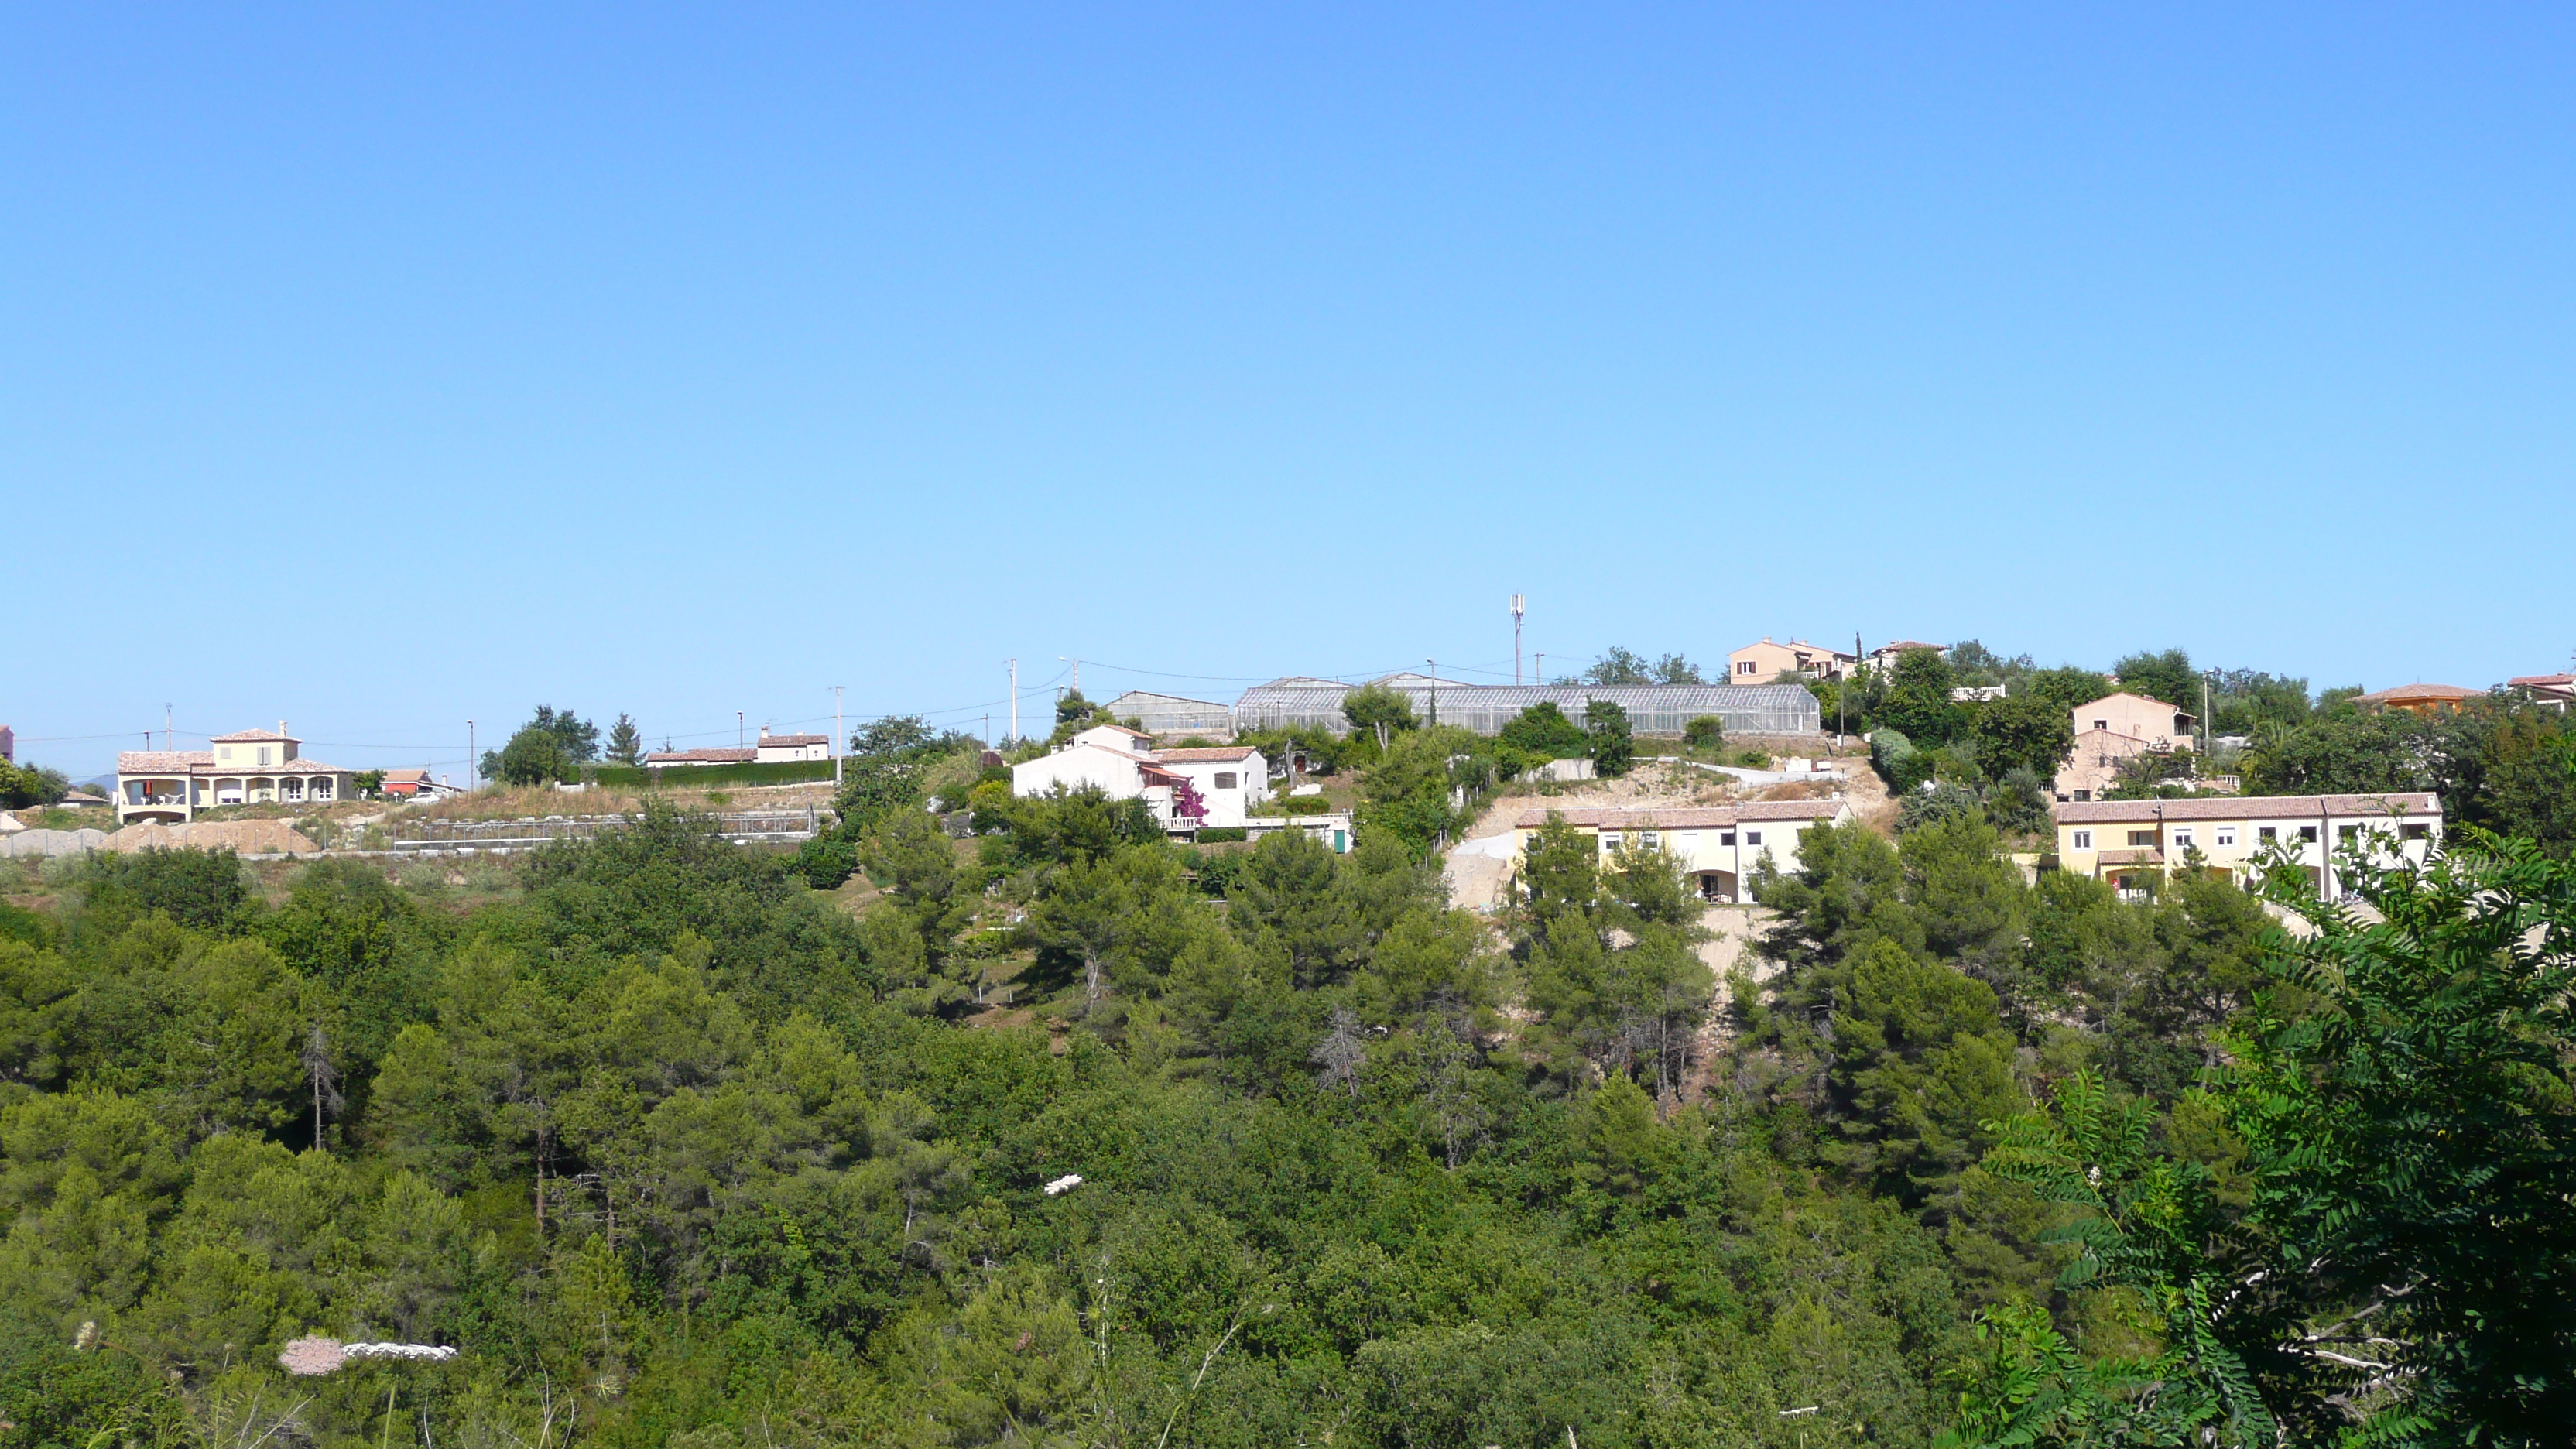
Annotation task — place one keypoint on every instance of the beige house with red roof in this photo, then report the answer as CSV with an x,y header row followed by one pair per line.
x,y
2555,690
2113,728
1885,656
248,767
1720,846
1188,790
2135,843
1762,662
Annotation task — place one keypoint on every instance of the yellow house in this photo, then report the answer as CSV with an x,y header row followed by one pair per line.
x,y
249,767
2420,698
2135,843
1763,662
1719,845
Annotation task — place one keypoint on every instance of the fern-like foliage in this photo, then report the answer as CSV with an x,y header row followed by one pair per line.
x,y
2142,1223
2408,1092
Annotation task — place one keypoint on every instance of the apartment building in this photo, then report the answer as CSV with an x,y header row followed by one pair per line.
x,y
2135,843
1719,845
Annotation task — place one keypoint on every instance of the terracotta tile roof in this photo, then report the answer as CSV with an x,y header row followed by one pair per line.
x,y
728,755
406,776
2247,807
768,741
1687,817
161,762
2403,692
2131,857
1903,645
2128,694
202,762
2542,681
254,737
1219,752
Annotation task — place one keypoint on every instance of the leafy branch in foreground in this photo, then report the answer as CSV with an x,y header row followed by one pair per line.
x,y
2409,1094
2141,1223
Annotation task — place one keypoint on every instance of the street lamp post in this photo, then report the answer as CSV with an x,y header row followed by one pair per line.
x,y
1435,689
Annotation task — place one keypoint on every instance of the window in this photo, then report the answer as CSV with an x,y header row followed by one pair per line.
x,y
225,753
2308,833
2083,840
263,754
2142,837
1744,666
1225,779
1753,837
2415,832
2227,835
2181,839
2345,833
2267,833
2083,794
1609,840
1648,840
2103,725
1726,837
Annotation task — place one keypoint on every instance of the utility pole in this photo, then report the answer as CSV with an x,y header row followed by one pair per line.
x,y
1435,690
1015,699
469,756
2204,716
1520,605
1538,668
168,739
1077,671
836,738
738,735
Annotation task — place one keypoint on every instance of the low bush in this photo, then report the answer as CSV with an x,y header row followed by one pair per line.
x,y
776,772
825,862
1221,834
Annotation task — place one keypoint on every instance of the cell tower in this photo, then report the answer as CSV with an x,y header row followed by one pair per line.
x,y
1520,606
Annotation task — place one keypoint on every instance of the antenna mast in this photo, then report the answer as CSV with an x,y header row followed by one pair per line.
x,y
1520,606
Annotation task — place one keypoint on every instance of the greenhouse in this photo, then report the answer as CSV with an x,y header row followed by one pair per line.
x,y
1653,709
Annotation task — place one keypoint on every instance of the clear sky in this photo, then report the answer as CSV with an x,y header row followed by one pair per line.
x,y
384,367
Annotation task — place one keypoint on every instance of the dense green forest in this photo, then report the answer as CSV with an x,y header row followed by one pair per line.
x,y
678,1149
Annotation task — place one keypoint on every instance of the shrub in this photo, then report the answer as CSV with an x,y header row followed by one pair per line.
x,y
1705,732
1294,805
1221,834
1897,761
825,862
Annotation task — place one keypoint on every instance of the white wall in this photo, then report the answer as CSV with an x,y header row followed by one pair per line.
x,y
1225,807
1077,765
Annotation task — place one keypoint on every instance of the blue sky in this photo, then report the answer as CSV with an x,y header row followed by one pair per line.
x,y
383,370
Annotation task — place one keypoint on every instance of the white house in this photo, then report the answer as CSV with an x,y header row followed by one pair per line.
x,y
1188,790
1719,845
777,749
249,767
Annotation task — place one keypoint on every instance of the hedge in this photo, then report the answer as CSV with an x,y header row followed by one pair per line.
x,y
1296,805
1220,834
776,772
